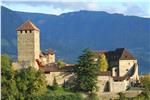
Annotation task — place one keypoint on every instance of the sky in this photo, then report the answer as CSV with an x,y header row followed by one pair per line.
x,y
127,7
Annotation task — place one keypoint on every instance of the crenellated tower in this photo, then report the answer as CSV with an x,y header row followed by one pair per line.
x,y
28,44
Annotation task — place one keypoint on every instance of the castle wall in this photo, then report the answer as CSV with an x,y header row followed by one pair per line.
x,y
51,58
103,83
118,86
107,84
60,77
125,66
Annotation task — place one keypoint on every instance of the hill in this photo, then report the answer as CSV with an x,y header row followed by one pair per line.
x,y
69,33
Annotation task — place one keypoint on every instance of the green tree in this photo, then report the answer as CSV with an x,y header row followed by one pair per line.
x,y
8,84
145,81
102,62
61,63
85,72
30,83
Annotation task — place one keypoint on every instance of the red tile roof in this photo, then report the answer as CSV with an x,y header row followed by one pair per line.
x,y
28,25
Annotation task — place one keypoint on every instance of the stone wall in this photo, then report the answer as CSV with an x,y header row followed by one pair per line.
x,y
103,83
125,66
61,77
118,86
47,59
28,46
51,58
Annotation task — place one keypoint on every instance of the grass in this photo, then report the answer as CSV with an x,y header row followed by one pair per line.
x,y
61,93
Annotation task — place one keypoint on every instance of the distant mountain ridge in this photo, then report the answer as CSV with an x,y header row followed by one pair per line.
x,y
69,33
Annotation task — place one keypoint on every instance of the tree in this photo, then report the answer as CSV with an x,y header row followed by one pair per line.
x,y
102,62
145,80
61,63
22,84
85,72
30,83
8,84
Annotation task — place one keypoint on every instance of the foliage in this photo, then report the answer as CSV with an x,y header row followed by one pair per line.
x,y
145,81
60,94
85,71
30,83
122,96
93,96
61,63
145,95
22,84
102,62
8,83
55,84
71,96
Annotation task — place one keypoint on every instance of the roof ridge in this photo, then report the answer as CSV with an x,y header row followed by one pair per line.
x,y
122,52
127,54
28,25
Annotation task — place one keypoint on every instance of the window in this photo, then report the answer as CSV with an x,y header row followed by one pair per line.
x,y
127,70
30,31
20,31
25,31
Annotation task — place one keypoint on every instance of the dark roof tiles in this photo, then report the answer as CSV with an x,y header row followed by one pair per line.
x,y
118,54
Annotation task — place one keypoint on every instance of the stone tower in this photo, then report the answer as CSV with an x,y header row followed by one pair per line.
x,y
28,44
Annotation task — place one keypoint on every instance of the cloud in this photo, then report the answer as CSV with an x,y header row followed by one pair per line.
x,y
139,9
128,7
93,6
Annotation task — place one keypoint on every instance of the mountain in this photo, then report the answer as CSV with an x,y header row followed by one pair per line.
x,y
69,33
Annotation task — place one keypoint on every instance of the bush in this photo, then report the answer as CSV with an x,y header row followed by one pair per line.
x,y
145,81
68,96
93,96
145,95
122,96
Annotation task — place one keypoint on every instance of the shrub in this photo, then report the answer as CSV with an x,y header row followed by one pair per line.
x,y
93,96
122,96
68,96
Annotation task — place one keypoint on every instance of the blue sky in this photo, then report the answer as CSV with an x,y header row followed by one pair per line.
x,y
127,7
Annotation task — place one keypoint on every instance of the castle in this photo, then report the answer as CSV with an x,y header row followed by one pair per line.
x,y
124,67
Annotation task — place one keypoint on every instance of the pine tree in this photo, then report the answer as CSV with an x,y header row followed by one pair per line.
x,y
85,71
102,62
